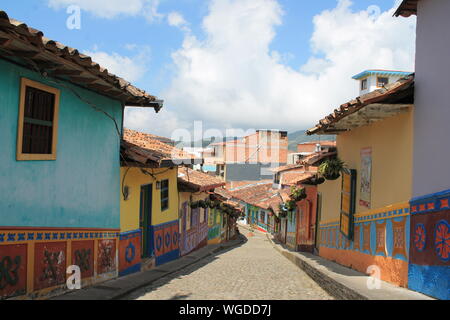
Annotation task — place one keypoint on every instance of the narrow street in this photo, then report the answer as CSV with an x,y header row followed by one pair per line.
x,y
252,271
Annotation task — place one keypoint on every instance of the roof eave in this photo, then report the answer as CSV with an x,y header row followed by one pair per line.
x,y
407,8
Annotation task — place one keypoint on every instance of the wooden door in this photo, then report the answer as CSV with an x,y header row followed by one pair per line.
x,y
145,221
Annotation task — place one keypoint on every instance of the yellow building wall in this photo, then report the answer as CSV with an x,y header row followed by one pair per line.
x,y
391,141
130,209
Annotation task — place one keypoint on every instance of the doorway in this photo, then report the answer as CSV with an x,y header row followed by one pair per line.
x,y
145,221
317,226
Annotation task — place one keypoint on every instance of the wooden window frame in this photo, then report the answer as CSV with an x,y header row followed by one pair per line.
x,y
366,81
168,195
346,220
20,156
378,81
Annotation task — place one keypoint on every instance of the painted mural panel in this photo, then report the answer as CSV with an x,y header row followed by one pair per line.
x,y
431,239
166,238
429,268
159,241
83,257
175,237
50,264
399,235
106,259
366,178
381,237
13,270
129,252
356,243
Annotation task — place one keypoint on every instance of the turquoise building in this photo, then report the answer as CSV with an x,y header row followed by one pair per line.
x,y
60,188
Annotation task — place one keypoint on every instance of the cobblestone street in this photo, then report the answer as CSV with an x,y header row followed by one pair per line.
x,y
252,271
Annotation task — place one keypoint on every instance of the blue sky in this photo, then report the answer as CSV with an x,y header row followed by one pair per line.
x,y
150,43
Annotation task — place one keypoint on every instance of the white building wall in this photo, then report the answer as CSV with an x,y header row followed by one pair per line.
x,y
372,83
432,99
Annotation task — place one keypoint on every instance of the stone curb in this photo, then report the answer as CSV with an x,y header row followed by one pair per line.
x,y
177,265
331,286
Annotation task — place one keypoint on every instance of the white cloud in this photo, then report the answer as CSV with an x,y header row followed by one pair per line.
x,y
131,69
176,19
146,120
112,8
232,78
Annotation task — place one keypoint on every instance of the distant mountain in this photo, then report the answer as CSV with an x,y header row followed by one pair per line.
x,y
300,136
202,143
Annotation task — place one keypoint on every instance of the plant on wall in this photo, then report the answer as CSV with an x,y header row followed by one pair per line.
x,y
291,205
217,204
331,169
282,211
316,180
298,194
202,204
209,203
194,205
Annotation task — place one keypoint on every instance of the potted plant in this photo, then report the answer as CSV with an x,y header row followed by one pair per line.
x,y
316,180
194,205
291,205
282,212
331,169
298,194
209,204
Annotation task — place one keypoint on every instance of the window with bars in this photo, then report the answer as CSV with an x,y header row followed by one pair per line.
x,y
363,84
382,81
38,121
164,195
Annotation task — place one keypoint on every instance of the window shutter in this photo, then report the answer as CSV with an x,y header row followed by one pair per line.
x,y
348,200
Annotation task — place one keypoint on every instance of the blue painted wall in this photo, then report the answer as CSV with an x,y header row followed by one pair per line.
x,y
82,187
429,264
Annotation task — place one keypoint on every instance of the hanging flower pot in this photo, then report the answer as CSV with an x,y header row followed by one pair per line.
x,y
194,205
316,180
202,204
209,204
332,177
291,205
331,169
298,194
320,180
282,210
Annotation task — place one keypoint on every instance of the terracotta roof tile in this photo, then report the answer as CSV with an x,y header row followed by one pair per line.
x,y
198,180
138,144
60,61
253,193
295,177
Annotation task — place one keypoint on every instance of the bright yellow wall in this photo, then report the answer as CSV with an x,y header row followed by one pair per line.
x,y
130,209
331,200
391,141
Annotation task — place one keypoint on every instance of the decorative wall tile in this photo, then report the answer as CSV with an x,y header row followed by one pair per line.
x,y
13,270
50,264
